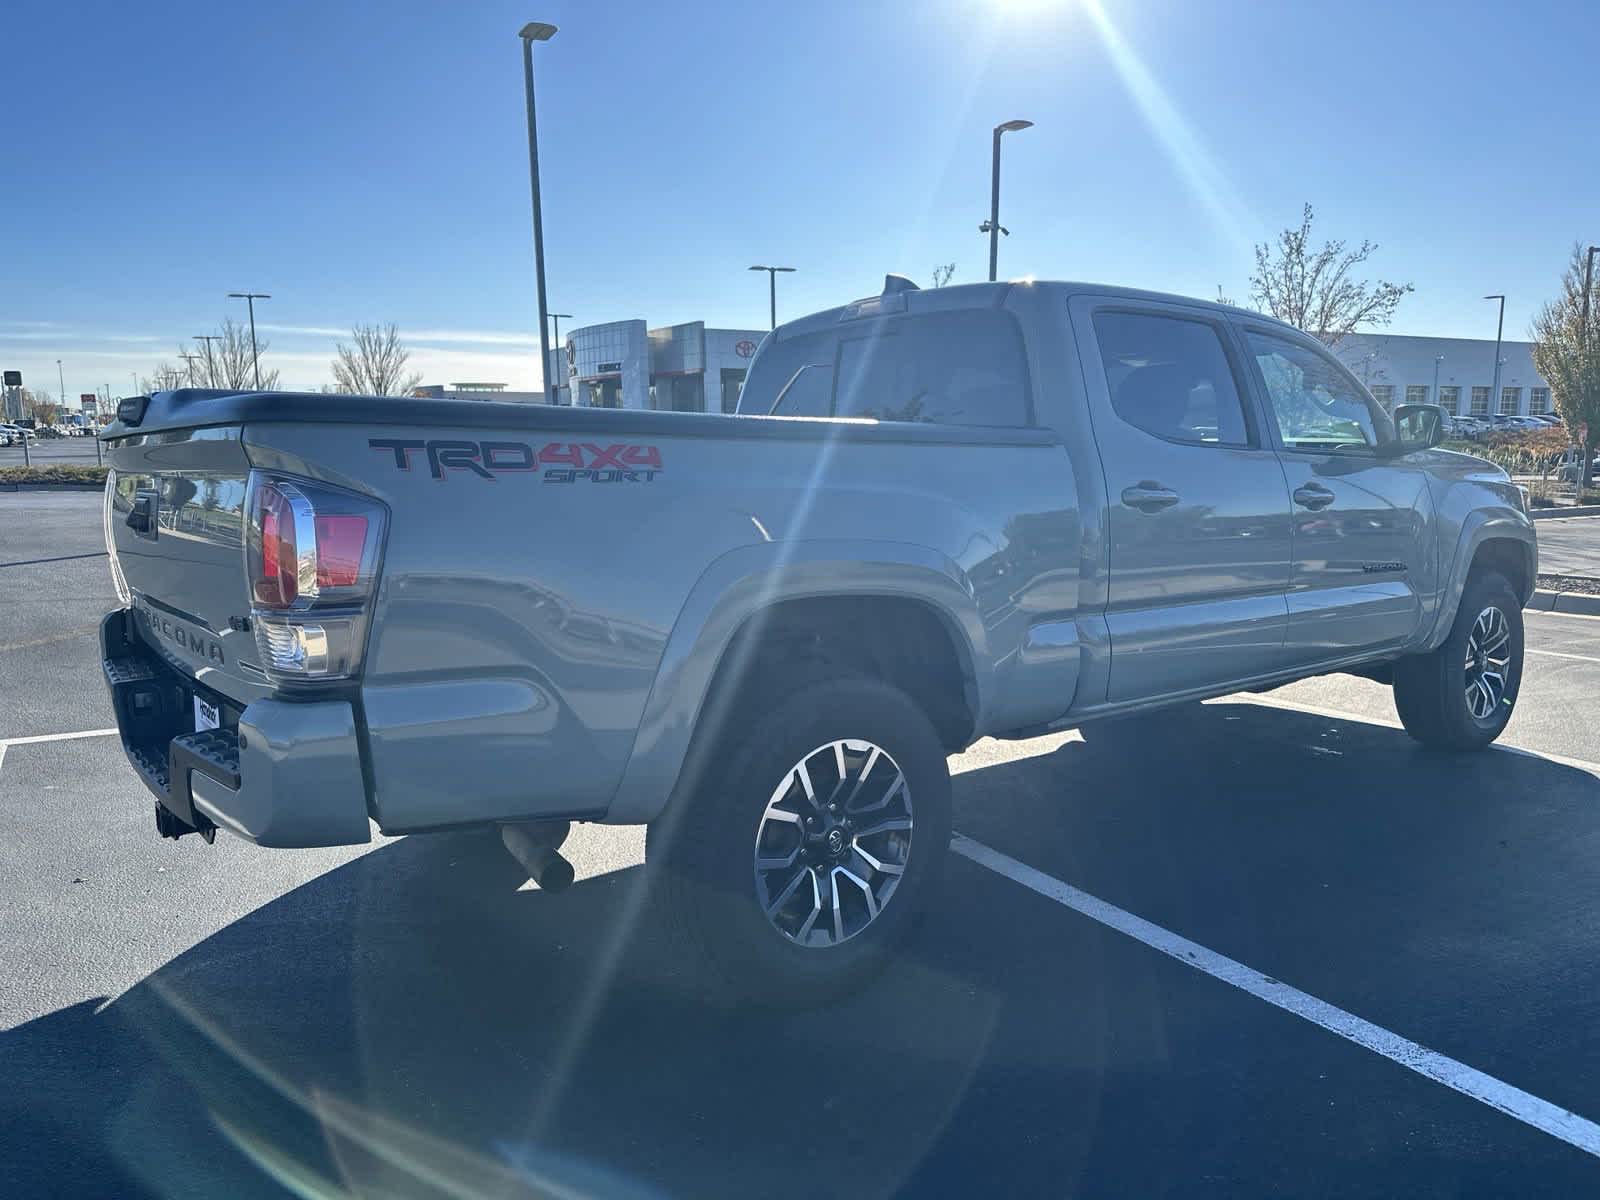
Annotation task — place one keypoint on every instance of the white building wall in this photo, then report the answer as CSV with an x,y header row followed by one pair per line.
x,y
1396,361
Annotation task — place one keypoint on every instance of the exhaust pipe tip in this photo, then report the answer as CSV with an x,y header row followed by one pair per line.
x,y
531,846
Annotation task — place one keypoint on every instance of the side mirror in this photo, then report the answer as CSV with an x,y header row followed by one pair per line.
x,y
1418,426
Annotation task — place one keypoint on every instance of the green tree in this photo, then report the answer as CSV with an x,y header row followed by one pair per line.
x,y
1568,355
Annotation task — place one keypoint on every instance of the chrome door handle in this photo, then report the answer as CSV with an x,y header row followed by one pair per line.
x,y
1149,497
1313,496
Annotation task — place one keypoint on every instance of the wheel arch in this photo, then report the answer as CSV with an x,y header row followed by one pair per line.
x,y
835,593
1501,542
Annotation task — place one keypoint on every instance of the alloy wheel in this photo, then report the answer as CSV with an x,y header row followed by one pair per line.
x,y
833,843
1488,663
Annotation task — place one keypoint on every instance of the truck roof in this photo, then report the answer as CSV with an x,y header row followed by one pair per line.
x,y
901,295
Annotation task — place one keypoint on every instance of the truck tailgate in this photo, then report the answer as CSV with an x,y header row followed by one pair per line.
x,y
175,526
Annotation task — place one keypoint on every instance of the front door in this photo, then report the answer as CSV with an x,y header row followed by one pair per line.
x,y
1199,524
1360,514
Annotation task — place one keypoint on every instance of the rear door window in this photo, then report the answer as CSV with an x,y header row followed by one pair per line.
x,y
1171,377
964,367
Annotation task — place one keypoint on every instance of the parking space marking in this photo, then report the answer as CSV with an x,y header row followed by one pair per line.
x,y
1338,714
1589,658
1565,616
1523,1106
55,737
35,739
33,562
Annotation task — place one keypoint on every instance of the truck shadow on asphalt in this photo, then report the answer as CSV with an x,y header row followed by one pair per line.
x,y
405,1018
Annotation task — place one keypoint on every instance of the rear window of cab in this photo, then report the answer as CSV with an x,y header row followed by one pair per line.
x,y
963,367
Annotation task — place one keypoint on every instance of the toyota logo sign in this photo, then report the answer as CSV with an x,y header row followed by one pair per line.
x,y
745,348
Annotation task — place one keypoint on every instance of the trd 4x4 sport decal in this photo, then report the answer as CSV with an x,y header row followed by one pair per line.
x,y
563,462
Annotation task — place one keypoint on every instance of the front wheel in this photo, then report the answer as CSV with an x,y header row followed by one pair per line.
x,y
1461,696
803,852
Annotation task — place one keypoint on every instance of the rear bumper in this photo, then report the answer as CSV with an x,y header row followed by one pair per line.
x,y
286,774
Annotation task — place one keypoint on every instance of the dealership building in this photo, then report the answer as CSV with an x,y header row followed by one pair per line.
x,y
1457,373
681,368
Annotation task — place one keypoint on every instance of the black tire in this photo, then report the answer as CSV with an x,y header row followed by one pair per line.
x,y
701,853
1430,690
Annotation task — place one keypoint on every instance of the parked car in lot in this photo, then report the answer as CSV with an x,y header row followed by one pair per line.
x,y
15,435
995,509
1471,428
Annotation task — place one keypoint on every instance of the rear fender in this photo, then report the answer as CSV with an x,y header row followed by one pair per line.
x,y
750,578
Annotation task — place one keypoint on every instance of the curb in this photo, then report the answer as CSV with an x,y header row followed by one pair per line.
x,y
52,487
1545,600
1545,514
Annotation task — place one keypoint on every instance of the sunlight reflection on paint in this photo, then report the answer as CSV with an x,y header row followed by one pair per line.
x,y
1194,163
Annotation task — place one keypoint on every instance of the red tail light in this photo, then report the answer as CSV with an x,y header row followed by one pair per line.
x,y
340,541
311,554
311,545
277,584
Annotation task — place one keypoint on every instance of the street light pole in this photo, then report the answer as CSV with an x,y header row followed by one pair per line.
x,y
992,225
1588,277
558,318
250,298
1437,359
191,359
62,380
536,31
772,292
1494,390
211,370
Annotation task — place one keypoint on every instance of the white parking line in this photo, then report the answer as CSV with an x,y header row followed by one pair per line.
x,y
55,737
1561,654
1336,714
1540,612
7,743
1469,1081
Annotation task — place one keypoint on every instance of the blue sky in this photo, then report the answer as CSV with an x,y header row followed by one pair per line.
x,y
367,162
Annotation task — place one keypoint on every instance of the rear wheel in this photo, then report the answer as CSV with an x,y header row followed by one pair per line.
x,y
811,841
1461,695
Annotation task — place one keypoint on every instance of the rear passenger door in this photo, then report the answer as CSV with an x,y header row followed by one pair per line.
x,y
1197,507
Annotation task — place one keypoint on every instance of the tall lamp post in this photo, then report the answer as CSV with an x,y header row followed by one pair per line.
x,y
1494,390
61,379
992,225
1437,359
1588,278
250,298
558,318
772,292
211,371
537,31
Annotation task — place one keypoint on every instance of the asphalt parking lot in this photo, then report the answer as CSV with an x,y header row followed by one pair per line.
x,y
43,452
1262,946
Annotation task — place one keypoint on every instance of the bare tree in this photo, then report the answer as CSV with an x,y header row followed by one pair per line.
x,y
232,359
164,378
942,273
1568,355
375,365
1312,289
40,405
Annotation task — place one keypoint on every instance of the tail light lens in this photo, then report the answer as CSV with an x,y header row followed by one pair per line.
x,y
108,513
311,554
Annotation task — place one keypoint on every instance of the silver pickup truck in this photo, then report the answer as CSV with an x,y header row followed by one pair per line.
x,y
991,510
